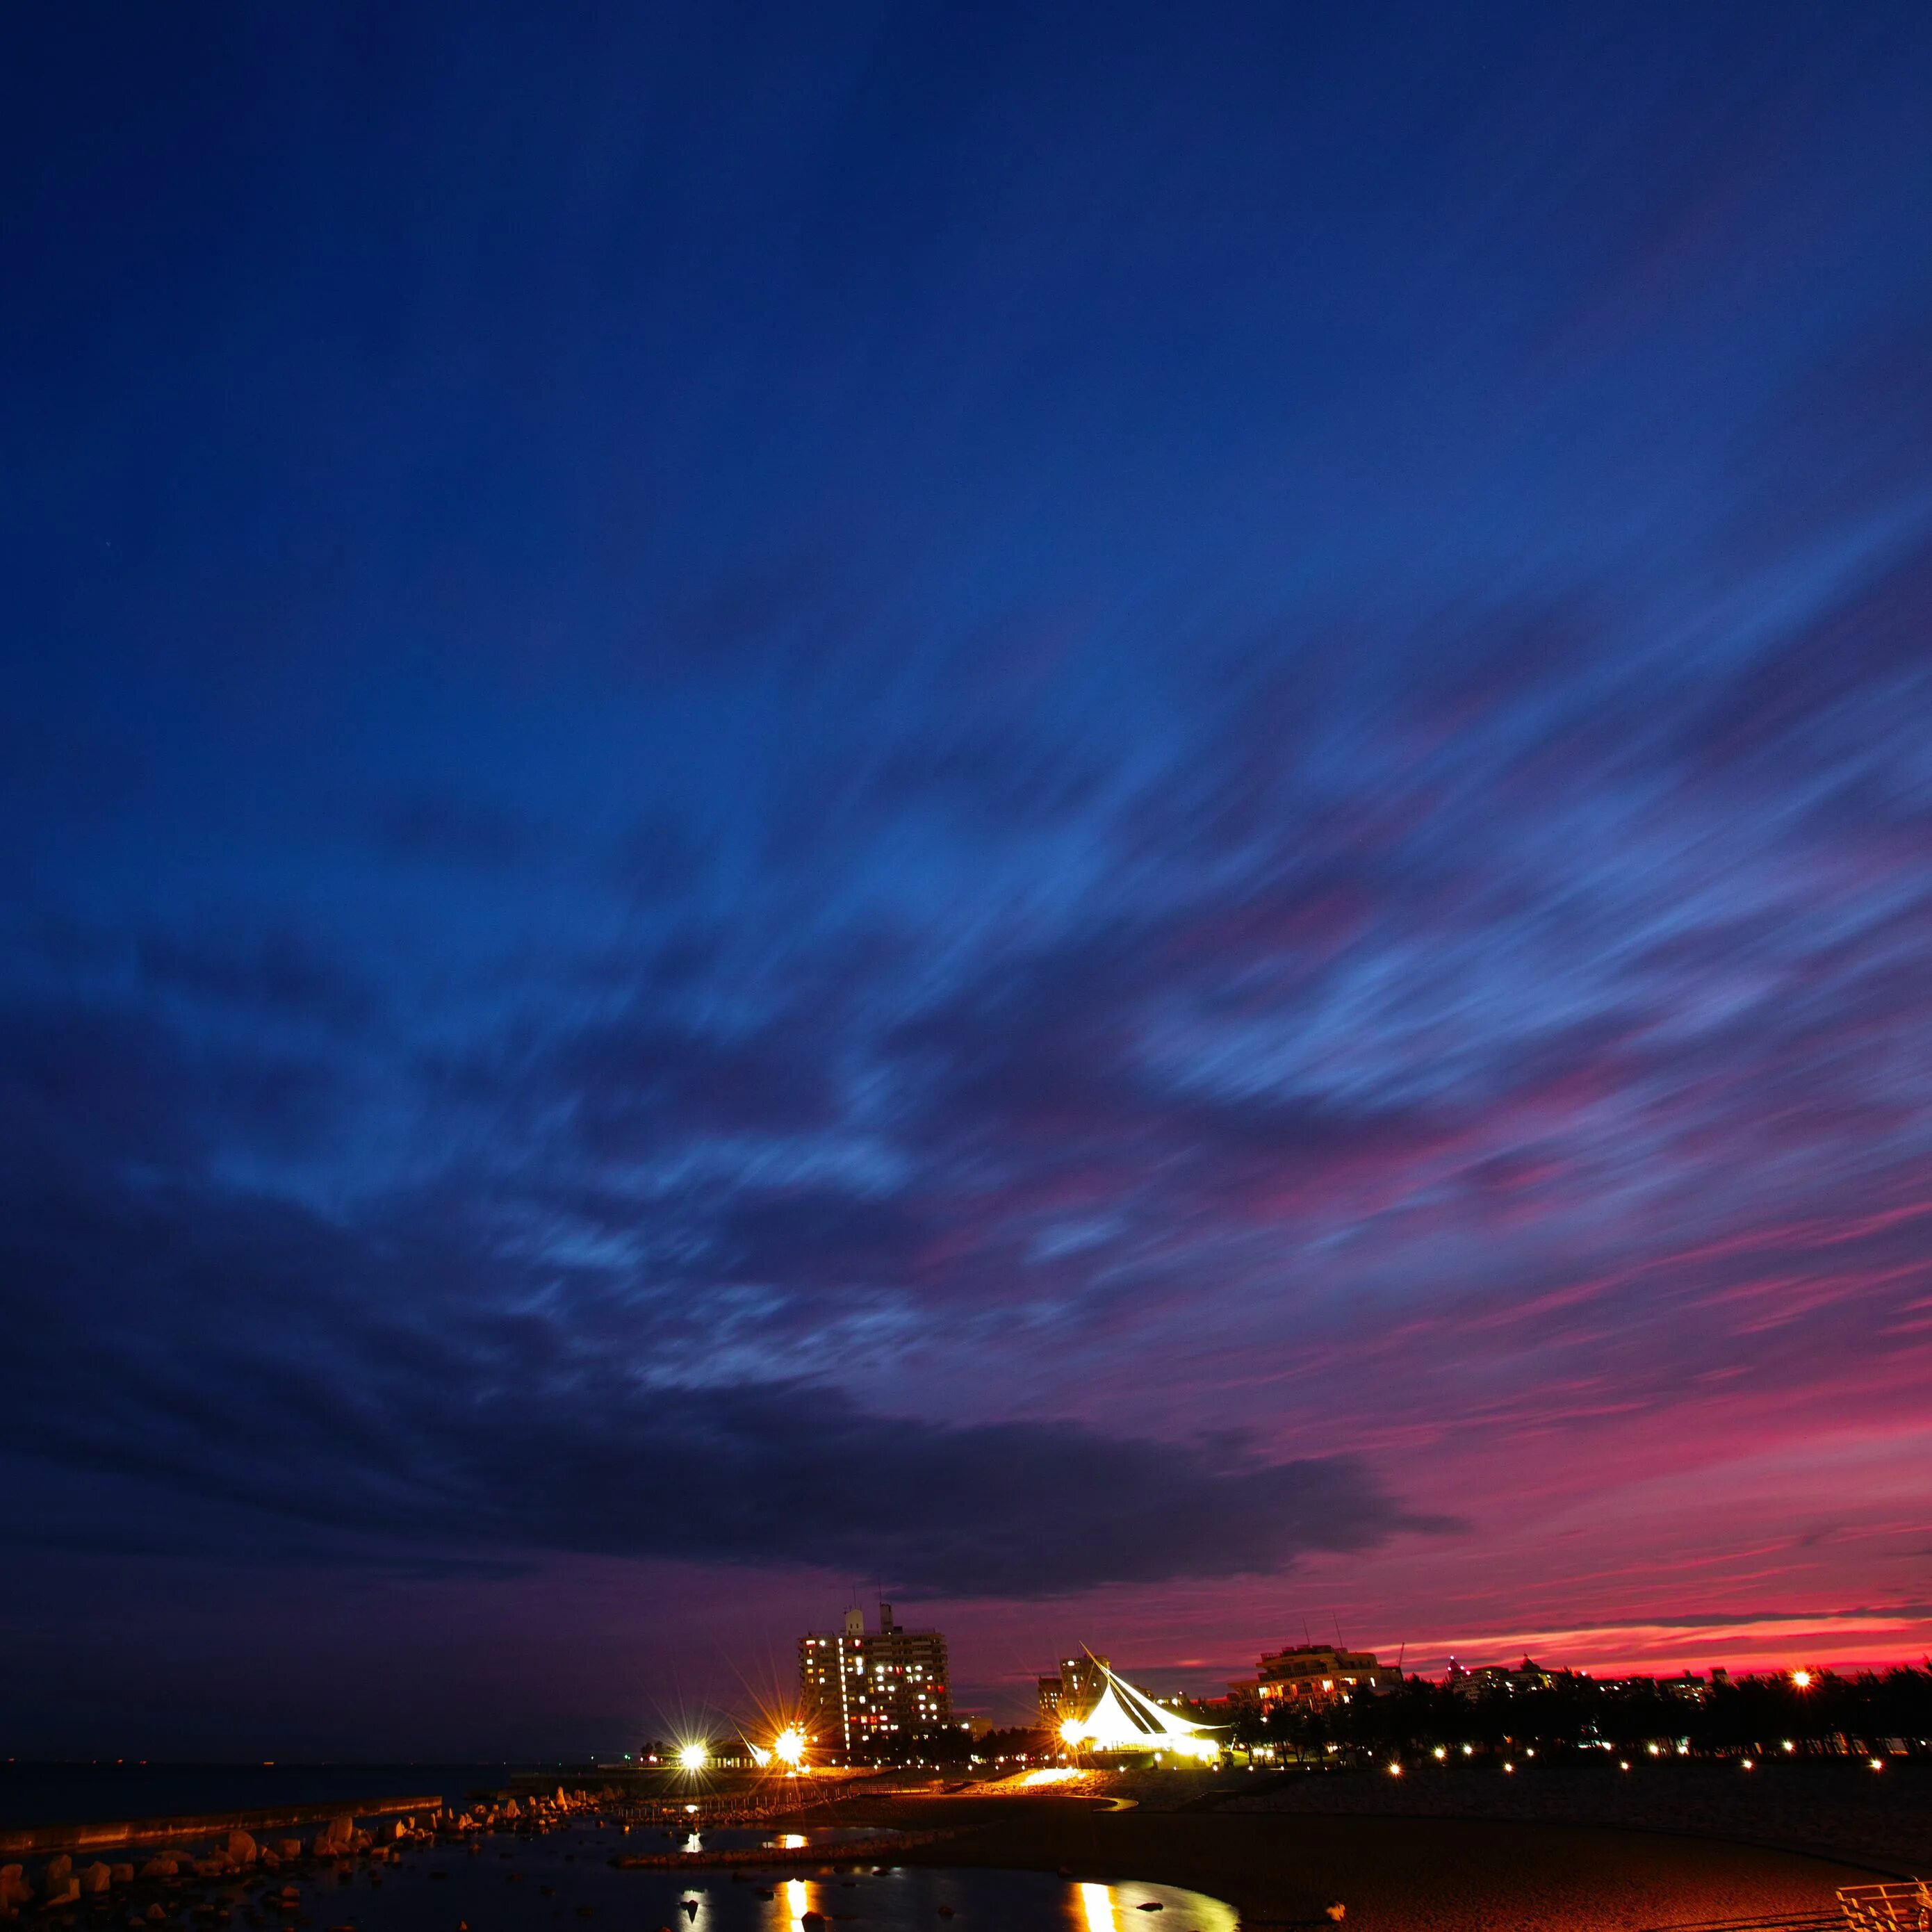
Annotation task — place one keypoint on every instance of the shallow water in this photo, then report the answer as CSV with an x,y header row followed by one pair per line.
x,y
565,1881
651,1841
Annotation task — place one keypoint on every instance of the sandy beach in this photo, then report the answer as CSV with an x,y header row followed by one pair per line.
x,y
1421,1874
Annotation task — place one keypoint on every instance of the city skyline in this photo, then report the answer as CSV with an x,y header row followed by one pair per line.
x,y
1118,818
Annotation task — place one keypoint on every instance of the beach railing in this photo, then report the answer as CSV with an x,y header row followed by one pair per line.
x,y
1905,1907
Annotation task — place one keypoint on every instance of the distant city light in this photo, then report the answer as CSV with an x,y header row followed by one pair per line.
x,y
1789,1745
1439,1754
691,1757
788,1746
1623,1764
1749,1765
1507,1766
1395,1769
1878,1764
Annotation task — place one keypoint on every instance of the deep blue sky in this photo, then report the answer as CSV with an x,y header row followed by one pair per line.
x,y
1123,815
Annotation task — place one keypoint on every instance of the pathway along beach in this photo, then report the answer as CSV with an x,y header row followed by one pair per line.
x,y
1417,1874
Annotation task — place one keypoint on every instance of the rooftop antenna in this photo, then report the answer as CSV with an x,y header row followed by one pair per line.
x,y
1306,1637
1399,1655
1337,1622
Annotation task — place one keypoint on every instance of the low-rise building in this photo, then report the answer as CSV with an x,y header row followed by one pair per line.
x,y
1315,1674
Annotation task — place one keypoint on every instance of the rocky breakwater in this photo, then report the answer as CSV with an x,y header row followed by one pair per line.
x,y
205,1876
178,1879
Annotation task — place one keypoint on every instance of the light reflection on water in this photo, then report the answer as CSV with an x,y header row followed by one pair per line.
x,y
1103,1908
541,1885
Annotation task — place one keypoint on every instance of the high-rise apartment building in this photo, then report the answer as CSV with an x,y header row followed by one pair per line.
x,y
860,1688
1073,1692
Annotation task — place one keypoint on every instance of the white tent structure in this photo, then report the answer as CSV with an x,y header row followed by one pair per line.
x,y
1124,1719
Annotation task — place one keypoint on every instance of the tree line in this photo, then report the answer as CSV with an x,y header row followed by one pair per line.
x,y
1873,1711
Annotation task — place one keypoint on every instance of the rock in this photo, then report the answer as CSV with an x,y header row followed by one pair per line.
x,y
14,1886
58,1869
121,1874
242,1848
156,1916
339,1832
95,1880
62,1891
1337,1910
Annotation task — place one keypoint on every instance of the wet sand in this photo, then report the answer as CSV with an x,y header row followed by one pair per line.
x,y
1421,1874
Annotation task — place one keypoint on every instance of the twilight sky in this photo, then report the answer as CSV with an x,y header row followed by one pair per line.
x,y
1122,816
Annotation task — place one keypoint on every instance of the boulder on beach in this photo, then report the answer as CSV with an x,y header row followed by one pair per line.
x,y
62,1891
14,1886
121,1874
288,1848
96,1878
58,1869
241,1848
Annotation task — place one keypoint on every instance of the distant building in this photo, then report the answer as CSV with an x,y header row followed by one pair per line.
x,y
859,1687
1072,1691
1312,1674
1498,1679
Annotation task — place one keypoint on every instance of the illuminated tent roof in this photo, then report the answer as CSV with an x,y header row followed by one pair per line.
x,y
1125,1719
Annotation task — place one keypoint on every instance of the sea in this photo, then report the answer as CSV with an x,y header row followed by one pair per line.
x,y
78,1794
